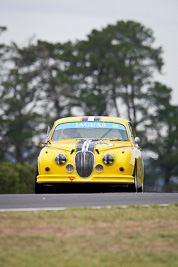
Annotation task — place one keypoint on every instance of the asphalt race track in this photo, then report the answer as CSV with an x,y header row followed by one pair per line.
x,y
61,201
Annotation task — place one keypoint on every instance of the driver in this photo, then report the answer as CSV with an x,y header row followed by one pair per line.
x,y
70,133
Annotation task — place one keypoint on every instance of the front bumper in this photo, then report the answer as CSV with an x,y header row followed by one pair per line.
x,y
48,179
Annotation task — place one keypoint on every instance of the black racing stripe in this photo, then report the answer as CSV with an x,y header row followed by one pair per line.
x,y
79,145
91,146
97,118
85,118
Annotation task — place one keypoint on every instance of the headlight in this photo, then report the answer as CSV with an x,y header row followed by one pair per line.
x,y
60,159
99,168
108,159
69,168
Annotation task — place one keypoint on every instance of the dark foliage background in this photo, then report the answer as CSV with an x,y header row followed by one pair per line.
x,y
17,178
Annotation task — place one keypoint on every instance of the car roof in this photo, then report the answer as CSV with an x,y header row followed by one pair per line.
x,y
92,119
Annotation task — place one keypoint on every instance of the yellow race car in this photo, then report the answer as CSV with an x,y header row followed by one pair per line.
x,y
91,150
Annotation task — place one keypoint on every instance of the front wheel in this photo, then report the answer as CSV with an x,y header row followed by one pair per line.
x,y
133,187
140,189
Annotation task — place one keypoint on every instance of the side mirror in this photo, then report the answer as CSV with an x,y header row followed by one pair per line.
x,y
42,144
137,140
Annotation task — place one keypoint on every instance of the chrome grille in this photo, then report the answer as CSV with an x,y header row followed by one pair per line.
x,y
84,163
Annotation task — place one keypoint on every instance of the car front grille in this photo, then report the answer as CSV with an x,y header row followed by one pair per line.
x,y
84,163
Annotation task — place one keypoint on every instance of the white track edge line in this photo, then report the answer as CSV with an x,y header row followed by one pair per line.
x,y
64,208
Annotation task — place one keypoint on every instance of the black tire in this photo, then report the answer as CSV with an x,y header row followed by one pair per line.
x,y
140,189
133,187
38,187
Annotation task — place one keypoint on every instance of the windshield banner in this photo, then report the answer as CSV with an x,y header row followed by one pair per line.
x,y
101,125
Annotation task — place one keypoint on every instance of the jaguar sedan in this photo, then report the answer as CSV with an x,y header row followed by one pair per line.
x,y
92,151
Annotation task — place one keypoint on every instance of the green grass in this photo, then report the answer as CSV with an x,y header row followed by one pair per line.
x,y
132,236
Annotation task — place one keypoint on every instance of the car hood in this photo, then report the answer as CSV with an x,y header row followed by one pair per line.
x,y
87,145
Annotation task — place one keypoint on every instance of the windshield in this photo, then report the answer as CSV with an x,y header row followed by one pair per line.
x,y
90,130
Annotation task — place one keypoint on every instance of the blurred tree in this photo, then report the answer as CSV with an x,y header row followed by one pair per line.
x,y
163,134
87,70
53,83
137,60
2,46
35,92
114,66
19,110
3,72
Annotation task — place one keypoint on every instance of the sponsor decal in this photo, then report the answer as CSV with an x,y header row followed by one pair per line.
x,y
104,144
90,125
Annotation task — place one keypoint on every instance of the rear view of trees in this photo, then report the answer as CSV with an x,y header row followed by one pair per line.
x,y
111,73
